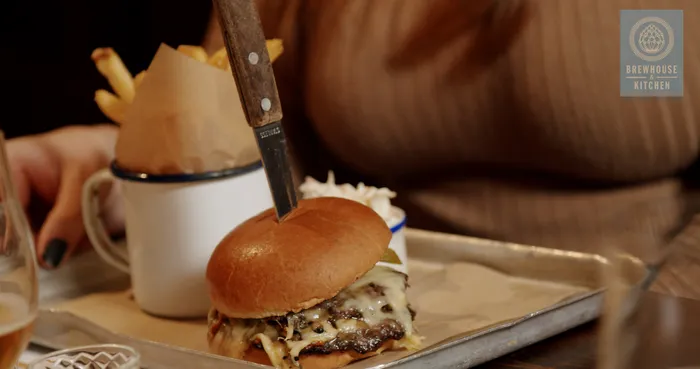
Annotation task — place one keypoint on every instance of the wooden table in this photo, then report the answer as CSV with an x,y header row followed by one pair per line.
x,y
576,349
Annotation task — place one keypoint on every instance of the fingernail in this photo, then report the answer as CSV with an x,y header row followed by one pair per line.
x,y
55,250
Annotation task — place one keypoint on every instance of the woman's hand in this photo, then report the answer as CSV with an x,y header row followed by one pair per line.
x,y
50,169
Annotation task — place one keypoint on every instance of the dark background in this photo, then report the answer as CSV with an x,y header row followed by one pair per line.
x,y
48,79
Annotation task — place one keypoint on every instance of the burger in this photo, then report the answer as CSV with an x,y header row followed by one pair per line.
x,y
306,292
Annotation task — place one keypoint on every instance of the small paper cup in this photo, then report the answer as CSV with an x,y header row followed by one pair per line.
x,y
97,356
397,224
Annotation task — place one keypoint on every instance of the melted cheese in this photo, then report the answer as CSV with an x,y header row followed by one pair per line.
x,y
238,338
394,296
355,297
348,325
276,351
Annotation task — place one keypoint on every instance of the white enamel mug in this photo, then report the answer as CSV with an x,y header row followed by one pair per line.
x,y
397,225
173,223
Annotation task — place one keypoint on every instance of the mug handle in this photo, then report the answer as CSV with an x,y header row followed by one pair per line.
x,y
94,228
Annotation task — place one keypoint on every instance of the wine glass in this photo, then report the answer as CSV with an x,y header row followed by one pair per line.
x,y
18,278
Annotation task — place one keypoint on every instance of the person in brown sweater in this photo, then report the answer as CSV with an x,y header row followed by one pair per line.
x,y
499,119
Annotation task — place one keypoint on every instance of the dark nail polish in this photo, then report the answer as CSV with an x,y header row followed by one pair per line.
x,y
55,250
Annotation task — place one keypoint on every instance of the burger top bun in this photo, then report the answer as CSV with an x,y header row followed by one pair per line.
x,y
266,268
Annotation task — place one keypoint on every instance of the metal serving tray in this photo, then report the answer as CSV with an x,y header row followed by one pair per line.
x,y
58,330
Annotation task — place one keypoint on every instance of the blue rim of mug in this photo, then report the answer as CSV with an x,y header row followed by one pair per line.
x,y
181,178
399,225
402,221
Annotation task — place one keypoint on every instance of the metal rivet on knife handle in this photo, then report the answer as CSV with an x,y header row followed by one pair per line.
x,y
253,58
266,104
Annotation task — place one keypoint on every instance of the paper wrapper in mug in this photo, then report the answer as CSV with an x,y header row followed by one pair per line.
x,y
185,118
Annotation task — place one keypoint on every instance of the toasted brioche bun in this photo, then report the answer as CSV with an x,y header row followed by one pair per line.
x,y
318,361
266,268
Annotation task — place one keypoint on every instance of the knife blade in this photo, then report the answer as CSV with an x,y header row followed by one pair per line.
x,y
255,80
273,150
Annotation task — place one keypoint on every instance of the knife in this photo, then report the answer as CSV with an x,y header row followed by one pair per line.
x,y
252,70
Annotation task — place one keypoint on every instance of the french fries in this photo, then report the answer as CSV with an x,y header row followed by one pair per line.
x,y
219,59
110,65
196,52
139,78
274,48
112,106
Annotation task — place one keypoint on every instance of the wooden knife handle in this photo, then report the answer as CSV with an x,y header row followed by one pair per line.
x,y
250,62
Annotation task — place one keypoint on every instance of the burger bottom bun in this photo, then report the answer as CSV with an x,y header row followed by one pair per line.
x,y
318,361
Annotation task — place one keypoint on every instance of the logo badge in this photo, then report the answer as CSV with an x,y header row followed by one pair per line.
x,y
651,53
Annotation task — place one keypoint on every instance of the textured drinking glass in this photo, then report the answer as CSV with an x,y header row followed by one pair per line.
x,y
639,329
18,279
90,357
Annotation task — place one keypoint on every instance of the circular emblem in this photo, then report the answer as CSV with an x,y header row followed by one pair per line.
x,y
651,39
